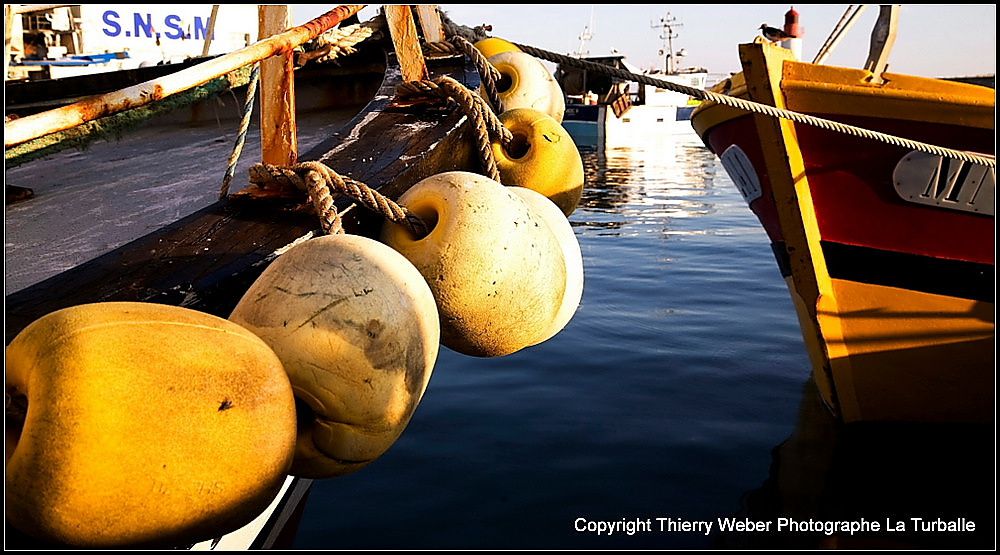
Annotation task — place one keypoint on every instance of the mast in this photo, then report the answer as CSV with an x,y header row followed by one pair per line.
x,y
667,35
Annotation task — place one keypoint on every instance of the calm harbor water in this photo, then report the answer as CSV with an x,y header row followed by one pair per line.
x,y
680,390
671,394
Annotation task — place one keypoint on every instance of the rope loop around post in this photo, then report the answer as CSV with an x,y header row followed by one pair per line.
x,y
322,184
487,73
485,122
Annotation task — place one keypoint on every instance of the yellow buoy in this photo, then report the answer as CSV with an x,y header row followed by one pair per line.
x,y
495,268
563,232
542,157
357,330
146,424
526,83
493,46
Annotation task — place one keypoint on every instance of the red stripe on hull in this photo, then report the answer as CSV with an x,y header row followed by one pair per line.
x,y
851,184
856,203
743,133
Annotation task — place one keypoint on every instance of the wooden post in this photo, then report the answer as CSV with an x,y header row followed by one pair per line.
x,y
883,38
278,140
8,22
405,41
211,30
430,22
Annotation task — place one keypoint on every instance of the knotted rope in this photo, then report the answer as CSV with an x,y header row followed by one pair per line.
x,y
336,42
339,42
485,122
763,109
488,74
322,183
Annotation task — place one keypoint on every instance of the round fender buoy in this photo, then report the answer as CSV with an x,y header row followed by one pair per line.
x,y
563,232
526,83
146,424
495,268
492,46
357,330
542,157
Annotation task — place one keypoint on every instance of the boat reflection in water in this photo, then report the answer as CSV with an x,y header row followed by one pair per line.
x,y
889,473
666,176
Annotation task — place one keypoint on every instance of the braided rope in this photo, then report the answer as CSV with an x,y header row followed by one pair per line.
x,y
485,122
322,182
440,49
337,42
488,74
241,137
341,41
763,109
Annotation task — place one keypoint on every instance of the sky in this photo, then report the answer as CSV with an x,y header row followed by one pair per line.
x,y
933,40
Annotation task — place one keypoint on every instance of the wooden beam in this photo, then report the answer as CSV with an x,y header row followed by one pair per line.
x,y
8,23
211,30
883,38
278,132
430,22
405,41
34,126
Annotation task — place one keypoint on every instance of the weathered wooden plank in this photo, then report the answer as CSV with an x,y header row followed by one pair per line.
x,y
404,38
212,19
208,259
430,22
278,132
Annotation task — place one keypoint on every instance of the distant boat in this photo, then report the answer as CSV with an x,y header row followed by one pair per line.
x,y
888,252
64,40
603,112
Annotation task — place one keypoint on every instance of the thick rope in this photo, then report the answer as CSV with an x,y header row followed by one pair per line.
x,y
440,49
241,138
488,74
763,109
485,122
340,41
322,182
333,44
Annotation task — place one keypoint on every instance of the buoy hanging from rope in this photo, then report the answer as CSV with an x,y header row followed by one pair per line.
x,y
145,424
492,46
563,233
541,157
526,83
356,327
496,270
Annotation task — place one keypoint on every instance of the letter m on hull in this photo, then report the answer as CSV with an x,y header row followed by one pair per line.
x,y
946,183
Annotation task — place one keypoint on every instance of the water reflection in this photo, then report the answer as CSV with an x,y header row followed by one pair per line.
x,y
889,473
648,185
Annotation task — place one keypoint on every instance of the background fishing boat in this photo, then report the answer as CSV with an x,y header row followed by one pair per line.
x,y
607,113
888,251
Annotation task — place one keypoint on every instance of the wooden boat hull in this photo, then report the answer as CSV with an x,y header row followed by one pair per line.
x,y
895,298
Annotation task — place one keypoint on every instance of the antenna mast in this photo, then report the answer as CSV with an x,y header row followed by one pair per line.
x,y
667,35
585,36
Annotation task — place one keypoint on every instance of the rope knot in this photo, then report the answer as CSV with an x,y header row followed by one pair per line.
x,y
322,184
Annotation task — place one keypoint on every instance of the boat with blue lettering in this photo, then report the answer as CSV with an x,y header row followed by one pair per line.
x,y
57,41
